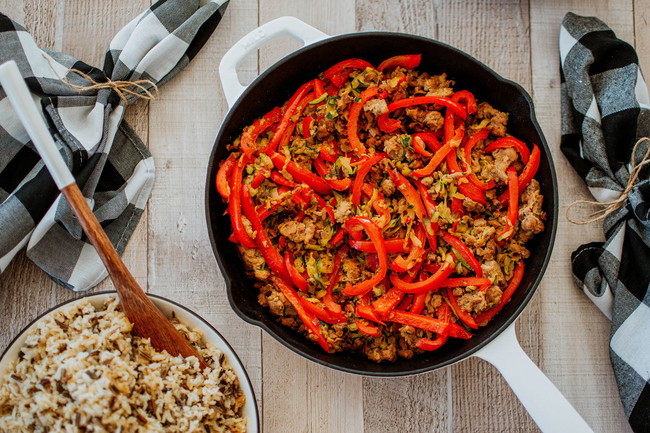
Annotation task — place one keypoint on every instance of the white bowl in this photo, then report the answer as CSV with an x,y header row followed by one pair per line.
x,y
184,315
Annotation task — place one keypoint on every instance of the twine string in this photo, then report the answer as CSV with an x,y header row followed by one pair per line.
x,y
608,207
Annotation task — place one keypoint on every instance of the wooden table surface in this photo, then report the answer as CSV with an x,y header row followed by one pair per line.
x,y
170,254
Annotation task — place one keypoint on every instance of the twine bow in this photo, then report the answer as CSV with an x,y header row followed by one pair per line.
x,y
608,207
120,87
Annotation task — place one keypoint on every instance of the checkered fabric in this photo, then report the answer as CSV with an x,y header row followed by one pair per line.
x,y
605,110
110,163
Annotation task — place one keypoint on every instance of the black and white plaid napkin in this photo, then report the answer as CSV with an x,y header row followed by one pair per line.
x,y
111,165
605,110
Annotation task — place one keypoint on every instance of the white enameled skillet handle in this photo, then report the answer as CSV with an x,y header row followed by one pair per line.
x,y
22,101
550,410
284,26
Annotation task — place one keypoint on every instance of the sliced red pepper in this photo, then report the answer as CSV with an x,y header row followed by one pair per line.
x,y
224,174
464,252
323,171
457,207
430,345
410,194
300,282
306,124
443,153
527,173
367,312
467,160
309,319
328,151
418,146
323,314
401,264
259,177
319,88
469,190
264,212
463,315
289,111
483,318
235,205
335,276
300,174
431,283
468,98
455,107
388,300
259,126
388,125
277,177
378,240
362,171
427,323
334,73
392,246
519,145
513,205
418,302
465,281
353,117
379,204
429,139
337,238
367,329
406,61
271,255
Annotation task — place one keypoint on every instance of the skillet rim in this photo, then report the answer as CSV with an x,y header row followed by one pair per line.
x,y
551,225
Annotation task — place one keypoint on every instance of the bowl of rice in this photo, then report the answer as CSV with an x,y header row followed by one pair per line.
x,y
79,368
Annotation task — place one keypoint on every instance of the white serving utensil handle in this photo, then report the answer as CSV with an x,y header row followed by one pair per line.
x,y
283,26
550,410
21,99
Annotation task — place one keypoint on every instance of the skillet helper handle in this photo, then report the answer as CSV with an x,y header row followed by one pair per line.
x,y
550,410
283,26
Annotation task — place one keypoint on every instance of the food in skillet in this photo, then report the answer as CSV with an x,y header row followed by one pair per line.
x,y
380,210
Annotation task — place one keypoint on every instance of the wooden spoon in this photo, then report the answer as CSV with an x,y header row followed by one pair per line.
x,y
148,321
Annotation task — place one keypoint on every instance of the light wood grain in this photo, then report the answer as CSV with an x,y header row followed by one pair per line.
x,y
170,253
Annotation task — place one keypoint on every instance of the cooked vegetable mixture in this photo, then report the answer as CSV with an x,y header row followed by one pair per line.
x,y
380,210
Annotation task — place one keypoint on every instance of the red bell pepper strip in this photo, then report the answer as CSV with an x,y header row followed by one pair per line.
x,y
259,126
264,212
388,300
455,107
337,238
467,97
519,145
334,278
388,125
306,124
300,174
401,264
329,152
300,282
513,205
379,204
270,254
378,240
418,302
367,312
322,313
335,73
464,252
527,173
223,176
309,319
457,207
278,178
410,194
429,139
463,315
427,323
392,246
443,153
362,171
319,88
465,281
483,318
289,111
406,61
367,329
433,282
418,145
467,160
353,117
259,177
444,313
235,206
322,170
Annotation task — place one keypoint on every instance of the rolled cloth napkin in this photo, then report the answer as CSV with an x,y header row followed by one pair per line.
x,y
605,116
111,165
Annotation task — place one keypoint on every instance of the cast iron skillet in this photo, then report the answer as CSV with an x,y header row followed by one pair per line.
x,y
278,83
496,342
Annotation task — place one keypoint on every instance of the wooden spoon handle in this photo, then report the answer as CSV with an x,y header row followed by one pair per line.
x,y
146,318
